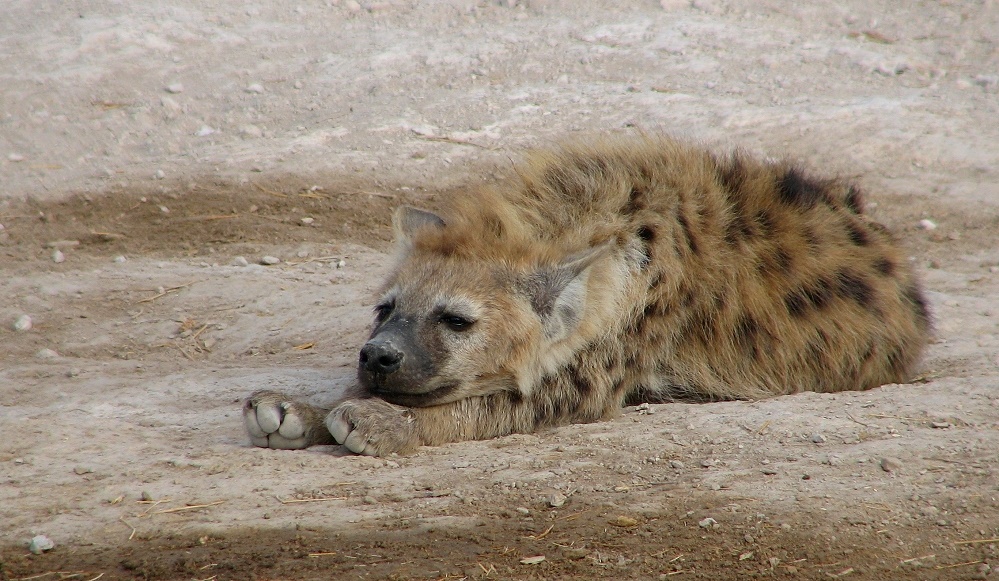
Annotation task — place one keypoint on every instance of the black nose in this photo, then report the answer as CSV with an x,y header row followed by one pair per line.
x,y
380,357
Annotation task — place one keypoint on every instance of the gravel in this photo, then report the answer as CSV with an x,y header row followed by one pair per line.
x,y
40,544
23,323
269,260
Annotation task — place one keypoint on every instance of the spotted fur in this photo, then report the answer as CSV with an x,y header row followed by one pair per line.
x,y
636,269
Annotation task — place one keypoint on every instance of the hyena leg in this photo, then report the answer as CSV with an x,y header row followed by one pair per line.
x,y
274,420
375,427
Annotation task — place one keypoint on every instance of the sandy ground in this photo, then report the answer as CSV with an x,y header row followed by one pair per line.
x,y
153,144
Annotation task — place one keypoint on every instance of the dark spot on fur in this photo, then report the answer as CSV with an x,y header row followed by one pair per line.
x,y
796,189
747,331
688,234
686,297
765,222
811,239
636,201
884,266
812,297
918,302
776,262
738,227
656,309
647,233
897,360
732,174
855,200
852,286
857,235
869,353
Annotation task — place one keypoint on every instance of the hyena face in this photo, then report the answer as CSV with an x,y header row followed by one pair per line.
x,y
450,327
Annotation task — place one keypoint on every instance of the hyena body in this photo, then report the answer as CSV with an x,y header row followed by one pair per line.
x,y
633,270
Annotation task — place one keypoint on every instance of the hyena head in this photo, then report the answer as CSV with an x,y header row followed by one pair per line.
x,y
464,316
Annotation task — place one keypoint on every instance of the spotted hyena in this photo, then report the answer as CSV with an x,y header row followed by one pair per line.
x,y
631,270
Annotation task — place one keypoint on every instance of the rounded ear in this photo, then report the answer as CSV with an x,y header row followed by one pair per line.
x,y
558,294
407,220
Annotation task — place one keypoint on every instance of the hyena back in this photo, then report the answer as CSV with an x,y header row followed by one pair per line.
x,y
632,270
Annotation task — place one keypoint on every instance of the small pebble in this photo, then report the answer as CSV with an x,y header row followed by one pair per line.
x,y
270,260
204,131
769,471
15,157
164,209
58,257
523,510
251,130
297,84
308,221
255,88
159,174
120,259
708,523
925,224
240,261
818,439
707,463
175,88
340,264
40,544
46,354
941,425
532,560
676,465
557,500
145,496
74,372
23,323
891,464
353,5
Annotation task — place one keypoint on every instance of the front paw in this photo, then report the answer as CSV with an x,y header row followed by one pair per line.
x,y
273,420
373,427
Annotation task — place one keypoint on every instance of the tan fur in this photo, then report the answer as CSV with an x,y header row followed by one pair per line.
x,y
700,277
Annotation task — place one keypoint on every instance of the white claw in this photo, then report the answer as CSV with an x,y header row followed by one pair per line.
x,y
339,427
269,418
355,442
291,428
279,442
253,428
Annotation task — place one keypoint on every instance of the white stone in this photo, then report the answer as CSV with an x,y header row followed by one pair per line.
x,y
175,88
40,544
58,257
23,323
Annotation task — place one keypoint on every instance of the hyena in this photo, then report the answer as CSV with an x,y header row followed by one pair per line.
x,y
629,270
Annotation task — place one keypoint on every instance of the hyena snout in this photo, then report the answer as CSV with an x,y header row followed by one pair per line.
x,y
381,357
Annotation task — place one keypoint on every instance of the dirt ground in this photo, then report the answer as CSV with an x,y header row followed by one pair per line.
x,y
151,154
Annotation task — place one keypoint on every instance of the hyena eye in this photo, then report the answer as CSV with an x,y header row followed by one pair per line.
x,y
383,310
456,322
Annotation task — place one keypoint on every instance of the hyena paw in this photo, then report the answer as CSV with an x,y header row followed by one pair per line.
x,y
373,427
274,420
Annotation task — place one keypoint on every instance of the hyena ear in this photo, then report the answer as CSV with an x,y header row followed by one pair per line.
x,y
558,293
407,220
